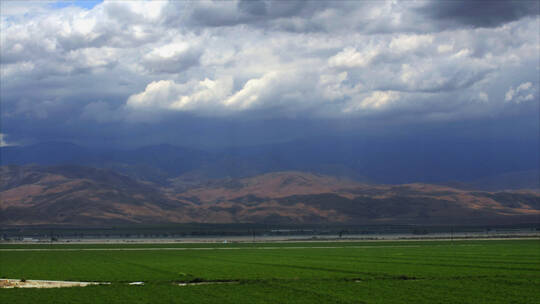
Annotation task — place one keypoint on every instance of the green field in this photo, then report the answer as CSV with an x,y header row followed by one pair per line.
x,y
493,271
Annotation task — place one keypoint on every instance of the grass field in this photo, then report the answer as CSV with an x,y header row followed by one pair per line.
x,y
495,271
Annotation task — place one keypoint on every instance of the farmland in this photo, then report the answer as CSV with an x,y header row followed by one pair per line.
x,y
495,271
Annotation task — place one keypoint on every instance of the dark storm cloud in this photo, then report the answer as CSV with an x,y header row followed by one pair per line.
x,y
260,13
144,72
254,7
479,13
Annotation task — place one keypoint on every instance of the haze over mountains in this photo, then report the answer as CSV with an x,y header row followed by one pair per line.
x,y
62,183
471,165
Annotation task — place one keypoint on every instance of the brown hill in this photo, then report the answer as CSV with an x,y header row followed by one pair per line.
x,y
88,196
272,185
73,194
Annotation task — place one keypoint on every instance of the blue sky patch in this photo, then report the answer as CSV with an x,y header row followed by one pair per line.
x,y
88,4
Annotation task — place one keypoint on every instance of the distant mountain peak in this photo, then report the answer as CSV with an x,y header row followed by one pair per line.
x,y
72,194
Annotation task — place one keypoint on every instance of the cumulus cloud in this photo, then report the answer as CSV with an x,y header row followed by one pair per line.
x,y
167,94
174,57
141,61
219,97
405,43
375,101
351,58
3,141
523,92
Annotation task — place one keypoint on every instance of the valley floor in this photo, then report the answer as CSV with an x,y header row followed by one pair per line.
x,y
473,271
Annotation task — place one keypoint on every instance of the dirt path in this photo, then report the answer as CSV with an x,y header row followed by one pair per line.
x,y
14,283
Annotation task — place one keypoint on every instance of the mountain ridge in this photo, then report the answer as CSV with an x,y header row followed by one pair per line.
x,y
32,195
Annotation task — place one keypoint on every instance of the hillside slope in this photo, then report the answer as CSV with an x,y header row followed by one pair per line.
x,y
33,195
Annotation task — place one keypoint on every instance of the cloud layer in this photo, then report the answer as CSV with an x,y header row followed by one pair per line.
x,y
146,62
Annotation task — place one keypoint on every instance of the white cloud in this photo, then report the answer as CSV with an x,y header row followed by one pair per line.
x,y
483,96
445,48
277,58
189,96
158,94
205,94
509,94
351,58
377,100
3,141
258,90
524,87
173,57
523,92
17,68
406,43
92,57
333,86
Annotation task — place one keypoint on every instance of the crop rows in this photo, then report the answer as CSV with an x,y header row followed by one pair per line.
x,y
368,272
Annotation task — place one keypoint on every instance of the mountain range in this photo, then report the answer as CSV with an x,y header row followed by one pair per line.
x,y
82,195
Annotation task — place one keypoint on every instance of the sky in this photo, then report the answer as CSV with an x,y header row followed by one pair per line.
x,y
227,73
